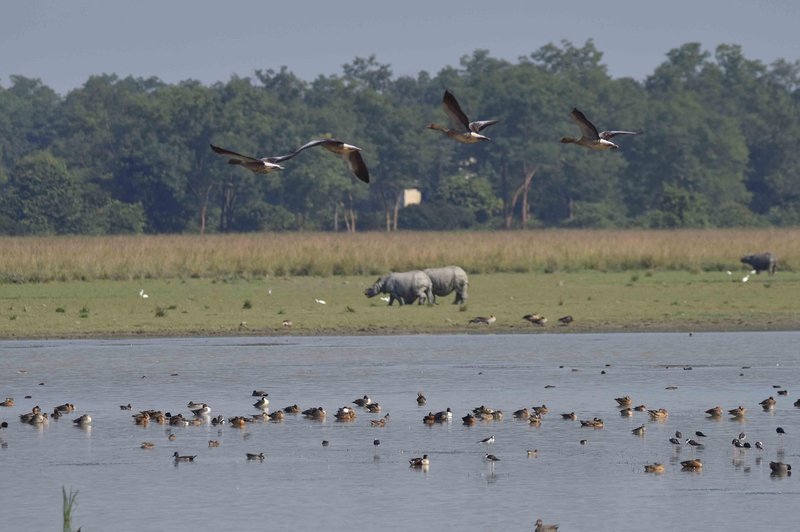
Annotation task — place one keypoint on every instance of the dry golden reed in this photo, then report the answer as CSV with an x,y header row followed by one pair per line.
x,y
39,259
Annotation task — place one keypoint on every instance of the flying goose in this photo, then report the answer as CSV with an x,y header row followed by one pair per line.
x,y
471,130
351,154
590,137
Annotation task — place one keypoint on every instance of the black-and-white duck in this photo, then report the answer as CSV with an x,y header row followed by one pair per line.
x,y
590,137
470,134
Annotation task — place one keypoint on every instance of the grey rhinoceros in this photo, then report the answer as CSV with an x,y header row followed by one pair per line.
x,y
405,287
449,279
761,262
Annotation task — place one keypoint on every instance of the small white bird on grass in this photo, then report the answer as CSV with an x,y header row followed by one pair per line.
x,y
320,301
142,294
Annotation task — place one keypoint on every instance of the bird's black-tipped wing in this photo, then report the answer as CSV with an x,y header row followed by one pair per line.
x,y
358,166
478,126
234,155
454,111
587,128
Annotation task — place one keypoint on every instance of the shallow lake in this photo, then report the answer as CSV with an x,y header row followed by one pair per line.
x,y
352,484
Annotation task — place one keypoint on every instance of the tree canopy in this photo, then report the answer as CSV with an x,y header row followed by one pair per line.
x,y
121,155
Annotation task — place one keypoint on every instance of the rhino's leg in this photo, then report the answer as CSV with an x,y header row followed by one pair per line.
x,y
424,295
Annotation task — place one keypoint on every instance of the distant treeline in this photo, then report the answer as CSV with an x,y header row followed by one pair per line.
x,y
719,148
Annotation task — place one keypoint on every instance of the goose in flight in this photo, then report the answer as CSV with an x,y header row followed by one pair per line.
x,y
471,130
264,165
590,137
351,154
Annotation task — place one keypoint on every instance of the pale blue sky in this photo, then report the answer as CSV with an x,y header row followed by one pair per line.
x,y
63,42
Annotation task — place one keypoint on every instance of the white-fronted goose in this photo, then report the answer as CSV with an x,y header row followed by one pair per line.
x,y
471,130
590,137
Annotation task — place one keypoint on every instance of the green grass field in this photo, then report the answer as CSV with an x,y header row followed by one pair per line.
x,y
599,301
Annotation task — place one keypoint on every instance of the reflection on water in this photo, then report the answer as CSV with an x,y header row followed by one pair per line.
x,y
353,484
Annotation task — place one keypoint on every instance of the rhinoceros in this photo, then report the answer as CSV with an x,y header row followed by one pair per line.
x,y
405,287
448,279
761,262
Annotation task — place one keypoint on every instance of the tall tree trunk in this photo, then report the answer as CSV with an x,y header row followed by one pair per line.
x,y
529,173
520,192
398,200
204,209
336,216
351,209
228,204
385,208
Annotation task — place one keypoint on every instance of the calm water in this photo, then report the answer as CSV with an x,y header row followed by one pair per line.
x,y
352,486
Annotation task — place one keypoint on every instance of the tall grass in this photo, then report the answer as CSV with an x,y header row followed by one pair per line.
x,y
40,259
68,506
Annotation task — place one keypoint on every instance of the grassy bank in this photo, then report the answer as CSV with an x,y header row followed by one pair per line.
x,y
599,301
258,256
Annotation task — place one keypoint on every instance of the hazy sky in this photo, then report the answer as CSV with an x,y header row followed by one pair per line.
x,y
63,42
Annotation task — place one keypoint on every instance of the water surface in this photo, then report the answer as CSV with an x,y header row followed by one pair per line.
x,y
351,484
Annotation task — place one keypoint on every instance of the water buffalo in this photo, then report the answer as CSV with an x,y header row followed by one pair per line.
x,y
405,287
761,262
448,279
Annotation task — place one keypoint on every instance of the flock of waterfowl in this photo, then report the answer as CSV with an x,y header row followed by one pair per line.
x,y
535,415
201,415
465,132
535,319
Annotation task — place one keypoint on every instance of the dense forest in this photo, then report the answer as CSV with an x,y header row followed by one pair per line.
x,y
132,155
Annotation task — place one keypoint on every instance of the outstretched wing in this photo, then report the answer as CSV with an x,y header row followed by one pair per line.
x,y
311,144
587,128
357,165
351,154
477,126
453,110
234,155
610,134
